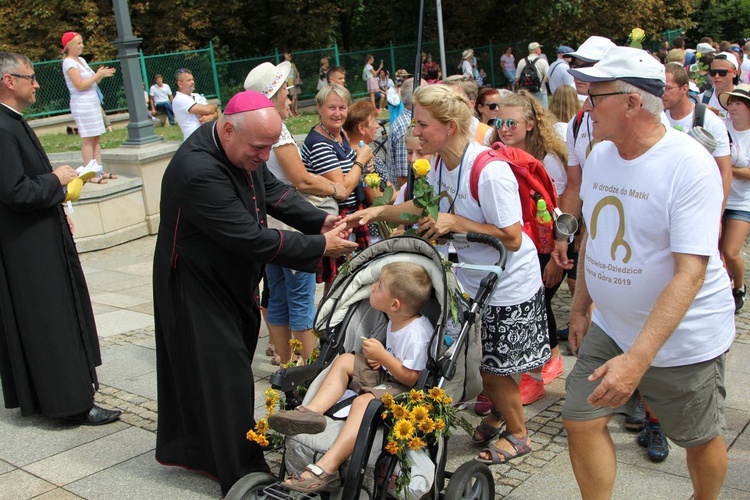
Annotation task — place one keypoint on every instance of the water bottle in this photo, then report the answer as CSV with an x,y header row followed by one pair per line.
x,y
544,227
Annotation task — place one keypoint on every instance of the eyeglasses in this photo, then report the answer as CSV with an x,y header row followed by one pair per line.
x,y
509,122
720,72
492,105
591,96
734,49
31,77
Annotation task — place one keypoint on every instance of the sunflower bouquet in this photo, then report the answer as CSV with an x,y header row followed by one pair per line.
x,y
413,420
260,433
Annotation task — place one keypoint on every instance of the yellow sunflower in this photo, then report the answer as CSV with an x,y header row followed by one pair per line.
x,y
403,430
392,447
419,413
436,393
416,396
417,444
261,426
399,411
427,425
439,424
296,345
387,400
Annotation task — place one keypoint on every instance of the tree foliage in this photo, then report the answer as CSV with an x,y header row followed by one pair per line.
x,y
244,29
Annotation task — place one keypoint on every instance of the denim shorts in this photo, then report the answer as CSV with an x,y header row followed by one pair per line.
x,y
291,299
742,215
688,400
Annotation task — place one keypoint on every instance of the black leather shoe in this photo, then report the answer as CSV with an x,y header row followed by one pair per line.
x,y
95,416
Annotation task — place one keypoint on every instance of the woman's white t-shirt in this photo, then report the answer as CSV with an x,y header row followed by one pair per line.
x,y
501,206
739,193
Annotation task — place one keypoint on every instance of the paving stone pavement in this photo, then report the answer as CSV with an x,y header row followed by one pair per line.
x,y
43,459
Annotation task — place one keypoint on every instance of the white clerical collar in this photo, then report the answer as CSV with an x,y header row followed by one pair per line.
x,y
12,109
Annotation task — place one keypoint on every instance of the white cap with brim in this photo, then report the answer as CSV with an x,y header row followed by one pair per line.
x,y
267,78
633,66
593,49
728,57
742,91
705,48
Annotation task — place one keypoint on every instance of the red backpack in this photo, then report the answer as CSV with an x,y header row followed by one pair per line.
x,y
533,182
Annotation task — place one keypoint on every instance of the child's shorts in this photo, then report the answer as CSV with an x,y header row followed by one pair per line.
x,y
376,382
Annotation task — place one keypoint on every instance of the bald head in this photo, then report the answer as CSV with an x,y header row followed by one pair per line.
x,y
247,138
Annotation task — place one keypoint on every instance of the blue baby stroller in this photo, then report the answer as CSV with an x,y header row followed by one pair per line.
x,y
344,317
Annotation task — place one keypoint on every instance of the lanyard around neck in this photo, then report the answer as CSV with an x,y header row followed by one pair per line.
x,y
441,164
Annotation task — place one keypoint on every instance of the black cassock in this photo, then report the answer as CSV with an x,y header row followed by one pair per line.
x,y
48,343
212,245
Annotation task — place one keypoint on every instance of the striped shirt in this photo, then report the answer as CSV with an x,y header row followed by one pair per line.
x,y
321,155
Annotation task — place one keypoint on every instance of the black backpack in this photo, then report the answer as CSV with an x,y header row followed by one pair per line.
x,y
529,79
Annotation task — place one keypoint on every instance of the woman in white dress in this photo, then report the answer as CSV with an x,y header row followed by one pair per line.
x,y
84,101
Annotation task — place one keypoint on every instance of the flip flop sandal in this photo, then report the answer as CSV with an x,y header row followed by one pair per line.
x,y
101,180
499,456
319,480
108,175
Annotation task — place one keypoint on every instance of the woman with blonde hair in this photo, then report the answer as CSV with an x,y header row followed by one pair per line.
x,y
564,104
85,106
514,328
525,124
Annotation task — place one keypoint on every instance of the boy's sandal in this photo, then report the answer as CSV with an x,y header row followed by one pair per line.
x,y
108,175
319,480
98,180
500,456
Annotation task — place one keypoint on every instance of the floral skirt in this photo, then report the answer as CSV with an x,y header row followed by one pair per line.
x,y
514,338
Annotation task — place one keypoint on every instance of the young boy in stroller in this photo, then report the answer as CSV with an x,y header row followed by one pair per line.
x,y
400,292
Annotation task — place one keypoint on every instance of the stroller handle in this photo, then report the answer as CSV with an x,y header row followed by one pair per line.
x,y
486,239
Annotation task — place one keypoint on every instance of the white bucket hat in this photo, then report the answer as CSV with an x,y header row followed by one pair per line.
x,y
267,78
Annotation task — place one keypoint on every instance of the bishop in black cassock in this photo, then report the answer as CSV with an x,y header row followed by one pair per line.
x,y
48,343
213,243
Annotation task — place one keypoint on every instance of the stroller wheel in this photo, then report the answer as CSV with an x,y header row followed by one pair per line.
x,y
472,481
251,487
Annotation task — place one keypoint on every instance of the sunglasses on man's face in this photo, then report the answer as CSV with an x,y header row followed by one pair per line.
x,y
720,72
509,122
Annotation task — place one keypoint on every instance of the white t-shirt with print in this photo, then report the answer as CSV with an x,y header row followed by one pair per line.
x,y
409,345
739,193
501,206
712,123
181,105
714,103
577,147
638,213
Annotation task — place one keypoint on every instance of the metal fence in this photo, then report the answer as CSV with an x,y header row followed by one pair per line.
x,y
222,79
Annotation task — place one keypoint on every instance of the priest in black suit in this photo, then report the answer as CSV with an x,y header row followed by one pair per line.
x,y
213,243
49,349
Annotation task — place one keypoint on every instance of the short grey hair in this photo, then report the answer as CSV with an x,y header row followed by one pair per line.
x,y
335,88
407,92
10,62
649,101
465,84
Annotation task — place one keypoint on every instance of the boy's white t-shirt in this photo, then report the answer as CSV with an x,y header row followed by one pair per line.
x,y
739,193
409,345
500,206
638,213
712,123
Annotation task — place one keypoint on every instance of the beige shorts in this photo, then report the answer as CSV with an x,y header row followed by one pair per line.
x,y
688,400
376,382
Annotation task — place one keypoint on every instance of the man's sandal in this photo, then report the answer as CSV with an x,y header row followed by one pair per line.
x,y
484,432
319,480
500,456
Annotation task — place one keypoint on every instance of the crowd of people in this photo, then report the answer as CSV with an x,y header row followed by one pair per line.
x,y
655,271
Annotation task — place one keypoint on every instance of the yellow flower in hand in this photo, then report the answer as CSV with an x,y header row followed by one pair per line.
x,y
421,167
372,181
637,35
